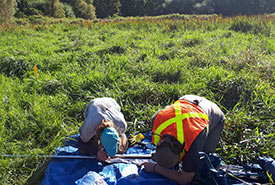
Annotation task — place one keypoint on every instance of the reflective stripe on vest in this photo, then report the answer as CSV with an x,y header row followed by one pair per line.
x,y
178,119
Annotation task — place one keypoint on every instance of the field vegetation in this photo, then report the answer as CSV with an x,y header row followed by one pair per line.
x,y
145,64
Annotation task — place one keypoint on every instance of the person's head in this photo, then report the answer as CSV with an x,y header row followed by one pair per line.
x,y
109,139
167,151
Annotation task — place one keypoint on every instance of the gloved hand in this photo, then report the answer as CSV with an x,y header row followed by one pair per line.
x,y
135,139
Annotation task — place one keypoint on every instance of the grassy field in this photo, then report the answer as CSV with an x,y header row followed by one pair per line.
x,y
143,63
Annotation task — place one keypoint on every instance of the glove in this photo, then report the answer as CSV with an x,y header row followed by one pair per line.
x,y
135,139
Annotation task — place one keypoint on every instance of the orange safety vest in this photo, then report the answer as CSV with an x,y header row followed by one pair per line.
x,y
183,120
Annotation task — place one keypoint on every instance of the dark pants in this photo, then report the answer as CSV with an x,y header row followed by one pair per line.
x,y
213,137
88,148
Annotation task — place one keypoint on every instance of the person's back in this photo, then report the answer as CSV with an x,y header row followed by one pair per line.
x,y
96,111
103,130
193,122
216,120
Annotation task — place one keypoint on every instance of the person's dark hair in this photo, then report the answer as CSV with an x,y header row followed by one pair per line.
x,y
170,141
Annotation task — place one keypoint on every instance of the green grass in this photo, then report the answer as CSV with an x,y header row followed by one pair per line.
x,y
145,64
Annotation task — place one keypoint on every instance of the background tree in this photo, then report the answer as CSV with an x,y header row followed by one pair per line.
x,y
150,7
266,6
133,7
55,8
7,10
30,7
175,6
106,8
141,7
23,8
204,7
84,9
243,7
68,10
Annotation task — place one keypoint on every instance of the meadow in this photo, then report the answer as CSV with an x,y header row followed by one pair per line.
x,y
144,64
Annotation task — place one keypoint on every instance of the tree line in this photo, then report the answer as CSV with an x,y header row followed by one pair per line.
x,y
91,9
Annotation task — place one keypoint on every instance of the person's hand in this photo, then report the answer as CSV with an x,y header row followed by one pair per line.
x,y
101,155
150,167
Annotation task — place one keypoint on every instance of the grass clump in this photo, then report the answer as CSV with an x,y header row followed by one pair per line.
x,y
10,66
232,90
251,26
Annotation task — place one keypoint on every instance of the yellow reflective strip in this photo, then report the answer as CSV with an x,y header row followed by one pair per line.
x,y
204,116
156,138
162,127
192,115
179,124
196,115
176,102
178,120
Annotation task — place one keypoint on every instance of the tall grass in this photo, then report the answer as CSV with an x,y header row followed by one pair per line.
x,y
143,63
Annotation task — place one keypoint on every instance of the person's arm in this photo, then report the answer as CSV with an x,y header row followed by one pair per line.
x,y
180,177
87,148
101,154
189,163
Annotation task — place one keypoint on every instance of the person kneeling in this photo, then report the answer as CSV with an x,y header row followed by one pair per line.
x,y
103,131
182,130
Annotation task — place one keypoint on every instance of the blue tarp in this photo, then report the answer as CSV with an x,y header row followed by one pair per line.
x,y
212,169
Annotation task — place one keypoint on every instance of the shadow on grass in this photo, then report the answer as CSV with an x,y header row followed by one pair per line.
x,y
38,176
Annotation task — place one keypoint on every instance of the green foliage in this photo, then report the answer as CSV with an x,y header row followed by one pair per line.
x,y
134,8
236,7
244,25
178,6
233,90
143,63
13,67
107,8
30,7
69,10
7,10
104,9
84,9
55,9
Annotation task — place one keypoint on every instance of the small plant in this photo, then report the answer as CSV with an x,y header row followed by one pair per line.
x,y
112,50
191,42
232,90
250,26
10,66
